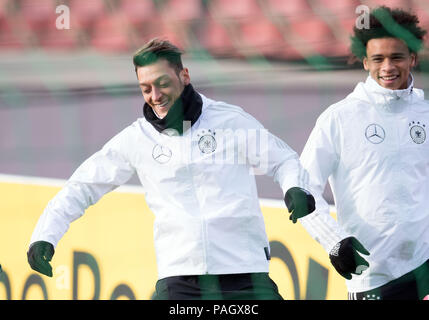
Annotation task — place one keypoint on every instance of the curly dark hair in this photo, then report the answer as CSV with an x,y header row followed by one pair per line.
x,y
386,22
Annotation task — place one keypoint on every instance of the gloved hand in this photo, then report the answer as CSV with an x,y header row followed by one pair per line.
x,y
39,255
299,202
345,258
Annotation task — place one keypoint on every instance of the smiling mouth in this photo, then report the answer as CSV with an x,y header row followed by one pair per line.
x,y
389,78
161,104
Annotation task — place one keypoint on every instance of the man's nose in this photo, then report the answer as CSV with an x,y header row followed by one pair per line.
x,y
156,94
388,66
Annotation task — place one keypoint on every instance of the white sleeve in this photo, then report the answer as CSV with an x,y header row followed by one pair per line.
x,y
320,158
269,155
284,165
101,173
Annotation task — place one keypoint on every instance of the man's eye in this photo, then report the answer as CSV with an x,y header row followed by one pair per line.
x,y
164,85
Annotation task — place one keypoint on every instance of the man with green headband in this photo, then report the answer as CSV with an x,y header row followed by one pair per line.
x,y
372,146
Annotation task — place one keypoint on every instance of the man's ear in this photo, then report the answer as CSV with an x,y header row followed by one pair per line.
x,y
185,77
414,59
365,63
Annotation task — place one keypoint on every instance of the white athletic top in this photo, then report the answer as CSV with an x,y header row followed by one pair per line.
x,y
374,149
200,186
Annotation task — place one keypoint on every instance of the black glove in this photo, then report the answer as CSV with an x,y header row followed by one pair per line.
x,y
39,255
345,258
299,202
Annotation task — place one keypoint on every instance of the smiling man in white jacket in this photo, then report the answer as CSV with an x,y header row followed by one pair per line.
x,y
373,148
196,159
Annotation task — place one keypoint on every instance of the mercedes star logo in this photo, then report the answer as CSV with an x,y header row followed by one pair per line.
x,y
375,133
161,154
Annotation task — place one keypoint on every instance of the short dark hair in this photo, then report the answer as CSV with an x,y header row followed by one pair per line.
x,y
385,22
157,49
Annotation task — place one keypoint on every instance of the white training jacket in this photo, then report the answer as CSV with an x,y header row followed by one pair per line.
x,y
200,186
374,149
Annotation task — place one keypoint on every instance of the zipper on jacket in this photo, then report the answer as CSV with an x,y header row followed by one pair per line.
x,y
194,190
204,235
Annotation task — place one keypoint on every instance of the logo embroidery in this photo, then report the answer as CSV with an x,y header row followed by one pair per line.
x,y
207,142
335,249
371,297
417,132
375,134
161,154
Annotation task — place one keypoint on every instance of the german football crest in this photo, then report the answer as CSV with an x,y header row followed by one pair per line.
x,y
207,142
417,132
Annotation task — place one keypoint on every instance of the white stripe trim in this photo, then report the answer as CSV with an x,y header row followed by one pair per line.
x,y
52,182
272,203
9,178
127,188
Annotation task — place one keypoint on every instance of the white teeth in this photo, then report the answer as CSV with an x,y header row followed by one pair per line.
x,y
389,78
161,105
